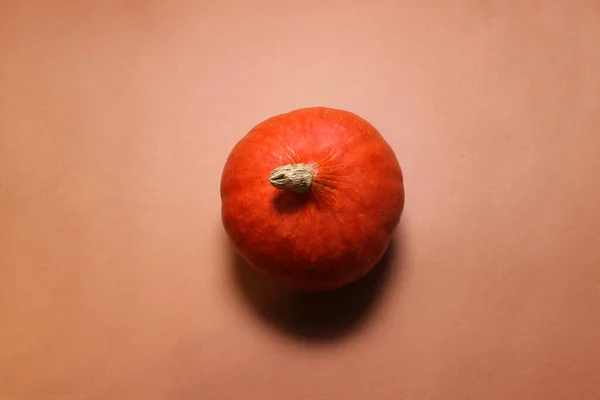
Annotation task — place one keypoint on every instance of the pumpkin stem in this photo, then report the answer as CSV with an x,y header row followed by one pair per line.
x,y
294,177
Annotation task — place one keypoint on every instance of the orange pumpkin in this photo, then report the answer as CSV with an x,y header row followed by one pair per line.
x,y
312,197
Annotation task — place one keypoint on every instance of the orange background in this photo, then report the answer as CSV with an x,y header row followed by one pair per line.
x,y
117,281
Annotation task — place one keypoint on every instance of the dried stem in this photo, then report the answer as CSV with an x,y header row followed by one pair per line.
x,y
295,177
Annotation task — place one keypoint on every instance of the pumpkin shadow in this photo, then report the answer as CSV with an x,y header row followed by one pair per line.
x,y
316,316
288,202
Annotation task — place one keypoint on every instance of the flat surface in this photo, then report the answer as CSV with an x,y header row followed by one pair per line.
x,y
116,279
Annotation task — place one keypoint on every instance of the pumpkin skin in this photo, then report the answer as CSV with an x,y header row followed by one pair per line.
x,y
320,234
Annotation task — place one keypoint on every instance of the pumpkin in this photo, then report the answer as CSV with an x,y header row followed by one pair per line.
x,y
311,197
